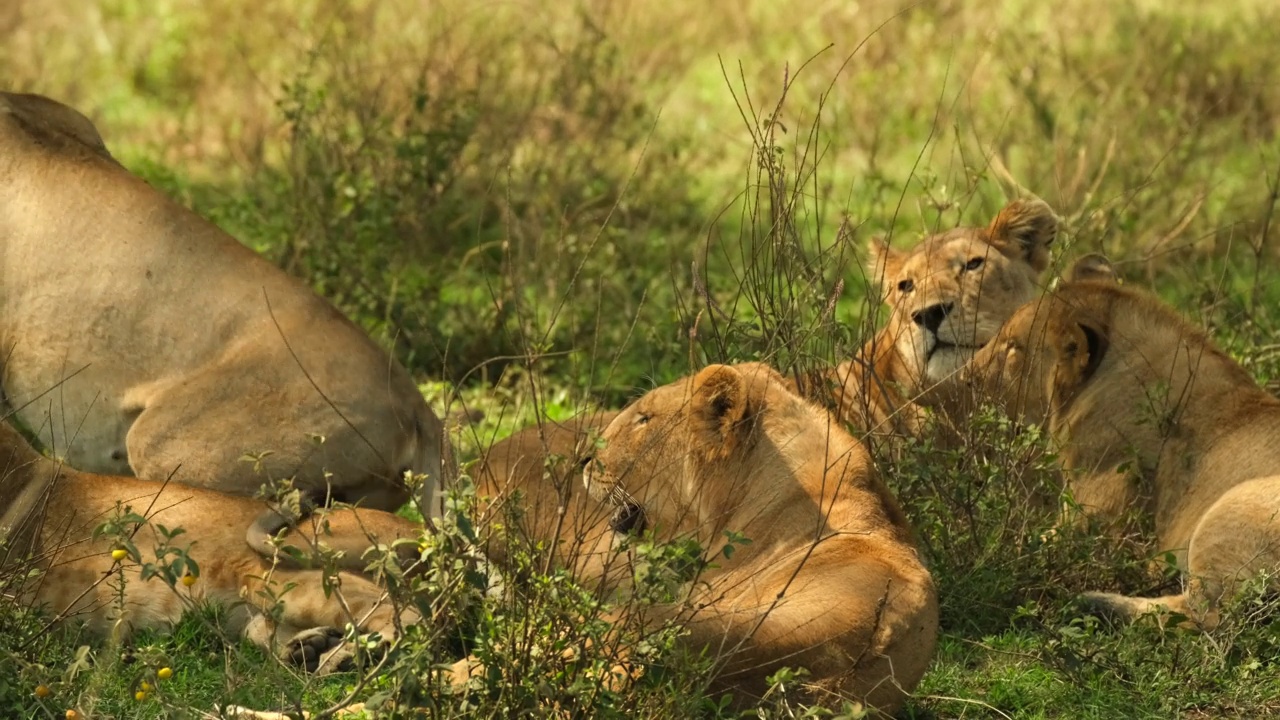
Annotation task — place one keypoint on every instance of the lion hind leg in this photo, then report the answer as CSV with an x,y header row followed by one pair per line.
x,y
1238,538
1126,609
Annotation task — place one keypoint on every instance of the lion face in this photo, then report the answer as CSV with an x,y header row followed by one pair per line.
x,y
664,454
951,293
1037,362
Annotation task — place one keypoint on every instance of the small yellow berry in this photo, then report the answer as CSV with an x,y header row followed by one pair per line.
x,y
43,691
119,554
164,673
73,715
188,580
146,686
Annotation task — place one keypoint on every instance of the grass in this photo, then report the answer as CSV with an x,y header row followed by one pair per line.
x,y
542,207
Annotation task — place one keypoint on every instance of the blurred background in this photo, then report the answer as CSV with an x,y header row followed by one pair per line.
x,y
483,181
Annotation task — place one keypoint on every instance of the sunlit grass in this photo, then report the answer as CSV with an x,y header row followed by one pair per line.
x,y
516,198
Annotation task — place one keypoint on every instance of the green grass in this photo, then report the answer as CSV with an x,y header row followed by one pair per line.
x,y
540,208
207,669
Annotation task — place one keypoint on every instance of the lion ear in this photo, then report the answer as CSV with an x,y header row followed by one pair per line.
x,y
759,371
1094,267
885,262
1025,229
1081,349
718,404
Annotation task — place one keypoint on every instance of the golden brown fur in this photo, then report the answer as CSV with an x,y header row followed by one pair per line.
x,y
830,581
50,515
947,296
1149,417
341,535
534,477
136,338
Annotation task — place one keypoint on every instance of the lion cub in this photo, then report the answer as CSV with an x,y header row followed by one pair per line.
x,y
1116,376
830,580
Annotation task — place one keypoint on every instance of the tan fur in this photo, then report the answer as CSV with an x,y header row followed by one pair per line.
x,y
873,391
136,338
341,535
51,512
1149,417
831,580
538,470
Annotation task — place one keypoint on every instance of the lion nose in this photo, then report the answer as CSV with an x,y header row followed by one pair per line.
x,y
931,317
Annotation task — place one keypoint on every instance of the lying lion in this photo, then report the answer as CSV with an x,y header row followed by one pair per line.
x,y
830,580
537,472
51,512
1125,385
136,338
947,296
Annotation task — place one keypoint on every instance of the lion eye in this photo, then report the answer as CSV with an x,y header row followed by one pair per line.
x,y
973,264
642,419
906,286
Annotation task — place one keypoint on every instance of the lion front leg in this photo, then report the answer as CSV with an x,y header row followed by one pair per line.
x,y
308,633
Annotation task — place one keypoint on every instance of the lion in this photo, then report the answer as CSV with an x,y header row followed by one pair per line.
x,y
529,495
529,488
137,338
1148,416
947,296
56,521
830,579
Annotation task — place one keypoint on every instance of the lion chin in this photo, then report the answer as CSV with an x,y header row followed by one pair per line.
x,y
947,358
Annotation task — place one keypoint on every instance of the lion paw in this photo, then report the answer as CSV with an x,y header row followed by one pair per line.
x,y
314,650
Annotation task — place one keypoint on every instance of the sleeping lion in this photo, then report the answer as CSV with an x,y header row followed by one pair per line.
x,y
830,580
1121,381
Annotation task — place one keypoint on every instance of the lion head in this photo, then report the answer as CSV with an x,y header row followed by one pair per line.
x,y
659,451
1040,357
951,293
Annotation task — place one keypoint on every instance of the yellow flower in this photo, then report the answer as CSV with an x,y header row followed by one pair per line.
x,y
119,554
164,673
43,691
188,580
73,715
140,696
146,686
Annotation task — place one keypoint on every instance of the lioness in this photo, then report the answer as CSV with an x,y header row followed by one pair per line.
x,y
136,338
830,580
51,511
948,296
1149,416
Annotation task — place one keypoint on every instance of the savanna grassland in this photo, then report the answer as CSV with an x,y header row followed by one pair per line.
x,y
540,207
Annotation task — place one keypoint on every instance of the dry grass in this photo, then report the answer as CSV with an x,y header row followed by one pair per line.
x,y
528,186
